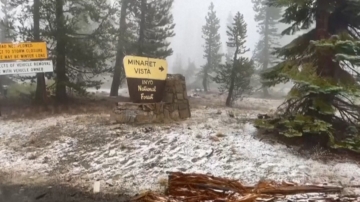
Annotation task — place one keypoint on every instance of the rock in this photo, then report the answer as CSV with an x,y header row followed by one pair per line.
x,y
184,113
175,115
110,182
231,114
180,96
112,153
148,129
168,98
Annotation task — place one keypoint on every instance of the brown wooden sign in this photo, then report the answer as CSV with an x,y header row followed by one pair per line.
x,y
145,78
145,90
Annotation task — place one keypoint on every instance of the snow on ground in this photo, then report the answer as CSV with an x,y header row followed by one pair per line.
x,y
106,91
87,147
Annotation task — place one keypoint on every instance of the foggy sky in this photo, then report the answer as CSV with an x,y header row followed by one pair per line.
x,y
189,16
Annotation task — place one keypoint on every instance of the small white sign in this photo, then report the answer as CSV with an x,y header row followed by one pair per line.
x,y
27,67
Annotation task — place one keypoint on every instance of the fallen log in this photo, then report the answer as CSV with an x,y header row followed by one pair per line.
x,y
205,187
200,188
300,190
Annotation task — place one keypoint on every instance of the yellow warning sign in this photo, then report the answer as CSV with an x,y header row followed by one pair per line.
x,y
145,68
23,51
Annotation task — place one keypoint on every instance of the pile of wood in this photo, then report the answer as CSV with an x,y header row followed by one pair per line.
x,y
199,187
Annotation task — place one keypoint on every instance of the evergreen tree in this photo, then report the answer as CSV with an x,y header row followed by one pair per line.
x,y
156,26
234,77
76,46
40,94
3,32
178,66
212,46
189,73
122,41
229,50
319,62
148,38
267,18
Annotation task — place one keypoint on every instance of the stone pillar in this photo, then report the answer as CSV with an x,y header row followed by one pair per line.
x,y
175,98
174,107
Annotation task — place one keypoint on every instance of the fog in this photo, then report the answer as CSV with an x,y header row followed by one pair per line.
x,y
189,16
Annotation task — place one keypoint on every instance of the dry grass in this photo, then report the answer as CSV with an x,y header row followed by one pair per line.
x,y
11,109
214,138
36,188
22,108
163,182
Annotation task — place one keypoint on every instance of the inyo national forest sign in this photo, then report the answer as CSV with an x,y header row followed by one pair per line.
x,y
145,78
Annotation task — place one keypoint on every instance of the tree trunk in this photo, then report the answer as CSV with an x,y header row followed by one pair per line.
x,y
1,85
61,78
142,27
206,71
205,79
325,63
120,51
232,78
266,51
325,66
231,87
40,94
4,31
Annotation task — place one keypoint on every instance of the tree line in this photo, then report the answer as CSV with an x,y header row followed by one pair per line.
x,y
89,38
85,38
234,74
323,105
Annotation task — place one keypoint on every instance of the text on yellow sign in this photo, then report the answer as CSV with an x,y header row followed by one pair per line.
x,y
23,51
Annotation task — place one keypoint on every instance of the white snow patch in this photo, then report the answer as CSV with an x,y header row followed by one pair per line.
x,y
122,91
137,160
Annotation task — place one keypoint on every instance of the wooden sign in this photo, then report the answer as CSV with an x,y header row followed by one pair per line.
x,y
145,78
23,51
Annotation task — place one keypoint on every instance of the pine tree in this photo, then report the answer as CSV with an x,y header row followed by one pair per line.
x,y
229,50
234,77
267,18
5,7
40,94
319,62
156,26
189,73
178,66
212,46
4,35
79,43
122,41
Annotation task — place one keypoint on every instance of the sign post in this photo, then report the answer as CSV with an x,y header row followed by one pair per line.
x,y
15,53
146,78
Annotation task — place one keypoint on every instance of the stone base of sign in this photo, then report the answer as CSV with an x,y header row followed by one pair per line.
x,y
175,106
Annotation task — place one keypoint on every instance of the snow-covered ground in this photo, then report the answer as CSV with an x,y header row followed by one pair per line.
x,y
106,91
86,148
